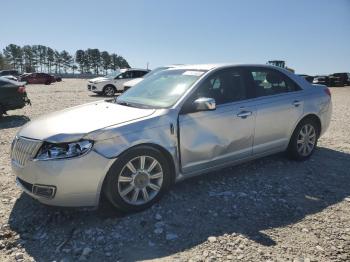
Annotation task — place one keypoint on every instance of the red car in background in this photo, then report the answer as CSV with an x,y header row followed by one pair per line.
x,y
38,78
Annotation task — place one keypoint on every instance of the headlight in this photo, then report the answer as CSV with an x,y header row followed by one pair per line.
x,y
64,150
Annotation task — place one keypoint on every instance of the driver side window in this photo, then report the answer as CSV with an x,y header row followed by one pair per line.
x,y
225,86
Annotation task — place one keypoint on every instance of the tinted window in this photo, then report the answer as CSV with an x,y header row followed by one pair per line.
x,y
138,73
225,86
127,74
141,73
271,82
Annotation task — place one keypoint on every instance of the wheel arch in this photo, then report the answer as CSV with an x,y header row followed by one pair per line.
x,y
315,118
162,149
310,116
115,88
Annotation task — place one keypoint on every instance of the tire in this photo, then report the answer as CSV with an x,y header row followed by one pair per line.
x,y
2,112
302,146
47,82
109,90
122,184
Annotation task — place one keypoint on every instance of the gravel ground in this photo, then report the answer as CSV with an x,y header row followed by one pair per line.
x,y
272,209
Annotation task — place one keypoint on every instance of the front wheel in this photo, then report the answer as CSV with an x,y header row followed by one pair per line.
x,y
109,90
2,112
137,179
304,140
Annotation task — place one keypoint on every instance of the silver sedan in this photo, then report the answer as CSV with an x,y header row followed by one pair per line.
x,y
181,122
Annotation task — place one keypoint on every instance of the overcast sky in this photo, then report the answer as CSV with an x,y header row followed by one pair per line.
x,y
312,36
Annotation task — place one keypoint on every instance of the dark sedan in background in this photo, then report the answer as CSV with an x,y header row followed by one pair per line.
x,y
343,78
321,80
12,95
38,78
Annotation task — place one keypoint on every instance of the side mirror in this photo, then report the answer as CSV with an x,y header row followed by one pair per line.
x,y
204,104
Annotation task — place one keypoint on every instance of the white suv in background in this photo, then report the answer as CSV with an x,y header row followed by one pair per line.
x,y
135,81
108,85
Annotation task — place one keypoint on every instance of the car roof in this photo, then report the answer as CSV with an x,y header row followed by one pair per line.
x,y
208,67
133,69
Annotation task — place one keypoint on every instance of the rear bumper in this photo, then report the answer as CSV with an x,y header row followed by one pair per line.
x,y
17,103
325,116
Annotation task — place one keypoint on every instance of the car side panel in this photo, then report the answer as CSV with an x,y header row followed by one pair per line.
x,y
159,130
276,117
318,103
212,137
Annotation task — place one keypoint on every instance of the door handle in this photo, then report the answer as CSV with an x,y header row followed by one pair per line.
x,y
244,114
296,103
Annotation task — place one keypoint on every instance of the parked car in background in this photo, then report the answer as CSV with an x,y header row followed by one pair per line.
x,y
344,78
12,95
334,81
38,78
173,125
308,78
321,80
58,78
11,77
110,84
9,72
135,81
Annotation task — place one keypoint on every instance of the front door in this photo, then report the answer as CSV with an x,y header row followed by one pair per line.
x,y
215,138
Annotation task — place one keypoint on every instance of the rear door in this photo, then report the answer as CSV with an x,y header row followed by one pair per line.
x,y
216,138
279,104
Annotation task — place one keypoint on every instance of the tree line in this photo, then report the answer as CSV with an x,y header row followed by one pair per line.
x,y
40,58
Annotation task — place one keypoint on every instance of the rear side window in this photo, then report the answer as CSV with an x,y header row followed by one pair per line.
x,y
268,82
140,73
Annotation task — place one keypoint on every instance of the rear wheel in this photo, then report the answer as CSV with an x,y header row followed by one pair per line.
x,y
2,111
109,90
304,140
137,179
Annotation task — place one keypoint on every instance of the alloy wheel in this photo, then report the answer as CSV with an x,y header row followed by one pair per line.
x,y
109,91
306,140
140,180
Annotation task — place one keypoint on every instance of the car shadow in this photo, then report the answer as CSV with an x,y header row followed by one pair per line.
x,y
11,121
246,199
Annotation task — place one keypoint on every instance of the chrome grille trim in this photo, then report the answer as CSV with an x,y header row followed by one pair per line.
x,y
24,149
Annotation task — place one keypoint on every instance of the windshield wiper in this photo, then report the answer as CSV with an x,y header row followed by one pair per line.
x,y
123,103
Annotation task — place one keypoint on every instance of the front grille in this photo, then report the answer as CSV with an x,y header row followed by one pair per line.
x,y
24,149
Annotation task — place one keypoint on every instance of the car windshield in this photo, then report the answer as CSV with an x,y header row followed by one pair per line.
x,y
160,90
155,71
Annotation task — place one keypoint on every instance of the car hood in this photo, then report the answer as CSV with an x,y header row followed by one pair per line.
x,y
74,123
133,82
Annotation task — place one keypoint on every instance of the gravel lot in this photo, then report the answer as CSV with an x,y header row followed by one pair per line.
x,y
272,209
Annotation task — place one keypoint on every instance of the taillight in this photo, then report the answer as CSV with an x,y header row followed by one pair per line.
x,y
327,91
21,89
